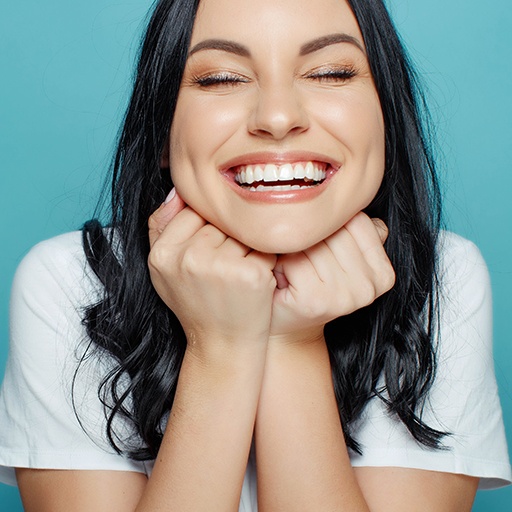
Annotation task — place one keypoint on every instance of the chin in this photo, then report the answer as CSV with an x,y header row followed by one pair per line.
x,y
282,237
280,245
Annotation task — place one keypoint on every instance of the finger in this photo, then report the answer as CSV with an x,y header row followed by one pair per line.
x,y
369,234
172,205
296,271
209,236
183,226
164,214
354,249
382,229
339,252
358,249
232,247
369,237
279,274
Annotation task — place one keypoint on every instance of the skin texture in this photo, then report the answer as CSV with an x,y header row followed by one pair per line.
x,y
253,281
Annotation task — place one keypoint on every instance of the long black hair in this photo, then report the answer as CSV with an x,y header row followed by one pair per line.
x,y
385,351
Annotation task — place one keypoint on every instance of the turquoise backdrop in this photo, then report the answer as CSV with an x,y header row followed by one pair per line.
x,y
65,69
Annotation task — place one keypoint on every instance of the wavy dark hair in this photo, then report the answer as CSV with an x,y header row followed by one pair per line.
x,y
385,351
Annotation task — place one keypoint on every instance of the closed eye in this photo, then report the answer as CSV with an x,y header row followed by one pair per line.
x,y
220,79
333,74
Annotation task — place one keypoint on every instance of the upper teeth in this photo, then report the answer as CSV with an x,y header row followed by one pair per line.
x,y
287,172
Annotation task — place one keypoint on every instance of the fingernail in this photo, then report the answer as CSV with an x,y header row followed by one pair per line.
x,y
172,193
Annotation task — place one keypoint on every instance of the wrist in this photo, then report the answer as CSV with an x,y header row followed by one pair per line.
x,y
222,353
303,337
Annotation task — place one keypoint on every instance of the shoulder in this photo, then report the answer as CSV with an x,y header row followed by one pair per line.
x,y
52,286
464,285
460,260
464,289
464,300
53,256
463,400
55,268
459,257
49,386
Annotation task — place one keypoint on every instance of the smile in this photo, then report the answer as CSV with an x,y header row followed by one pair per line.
x,y
280,177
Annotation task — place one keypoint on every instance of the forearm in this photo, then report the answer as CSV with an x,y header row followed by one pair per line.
x,y
302,459
203,456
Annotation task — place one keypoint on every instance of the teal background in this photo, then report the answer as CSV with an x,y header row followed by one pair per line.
x,y
65,70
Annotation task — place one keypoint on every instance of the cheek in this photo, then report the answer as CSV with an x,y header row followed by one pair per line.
x,y
186,133
182,138
201,126
357,122
201,129
361,127
355,119
187,147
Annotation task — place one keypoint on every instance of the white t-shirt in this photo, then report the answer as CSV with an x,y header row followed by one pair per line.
x,y
39,427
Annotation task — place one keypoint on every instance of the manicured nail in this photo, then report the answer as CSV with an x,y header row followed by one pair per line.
x,y
172,193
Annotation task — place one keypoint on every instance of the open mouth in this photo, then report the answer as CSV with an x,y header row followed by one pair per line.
x,y
280,177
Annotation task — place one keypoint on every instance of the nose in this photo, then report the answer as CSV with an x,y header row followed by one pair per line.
x,y
277,113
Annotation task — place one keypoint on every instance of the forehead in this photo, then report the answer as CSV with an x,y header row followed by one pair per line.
x,y
263,22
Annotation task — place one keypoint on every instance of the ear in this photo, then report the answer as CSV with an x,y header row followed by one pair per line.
x,y
164,158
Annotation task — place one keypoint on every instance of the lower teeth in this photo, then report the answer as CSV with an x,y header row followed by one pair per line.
x,y
263,188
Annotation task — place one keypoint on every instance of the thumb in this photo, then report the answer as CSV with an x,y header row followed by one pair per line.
x,y
172,205
280,276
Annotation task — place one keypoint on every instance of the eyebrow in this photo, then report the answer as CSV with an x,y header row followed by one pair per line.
x,y
307,48
322,42
221,44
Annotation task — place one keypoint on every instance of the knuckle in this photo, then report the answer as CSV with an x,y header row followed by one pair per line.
x,y
156,223
152,223
190,261
367,292
388,278
316,307
383,231
224,271
255,277
381,226
158,257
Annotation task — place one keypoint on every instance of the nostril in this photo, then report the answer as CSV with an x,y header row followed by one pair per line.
x,y
278,117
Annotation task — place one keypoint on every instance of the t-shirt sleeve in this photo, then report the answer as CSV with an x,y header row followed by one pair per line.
x,y
464,399
39,427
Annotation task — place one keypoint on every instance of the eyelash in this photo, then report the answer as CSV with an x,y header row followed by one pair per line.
x,y
219,79
334,74
230,79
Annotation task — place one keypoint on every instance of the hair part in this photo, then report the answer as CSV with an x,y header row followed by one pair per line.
x,y
392,341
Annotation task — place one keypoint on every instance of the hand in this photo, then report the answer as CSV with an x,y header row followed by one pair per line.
x,y
335,277
217,287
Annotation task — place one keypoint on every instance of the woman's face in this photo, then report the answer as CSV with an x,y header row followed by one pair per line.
x,y
278,135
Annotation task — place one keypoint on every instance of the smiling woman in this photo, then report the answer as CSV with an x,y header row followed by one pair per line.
x,y
278,100
273,319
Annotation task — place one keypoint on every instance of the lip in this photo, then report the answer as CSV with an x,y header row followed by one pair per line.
x,y
269,157
281,196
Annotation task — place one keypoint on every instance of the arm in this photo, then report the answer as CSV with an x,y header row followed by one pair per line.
x,y
222,293
201,274
303,462
202,459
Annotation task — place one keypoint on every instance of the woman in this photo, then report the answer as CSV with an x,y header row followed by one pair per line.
x,y
219,347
